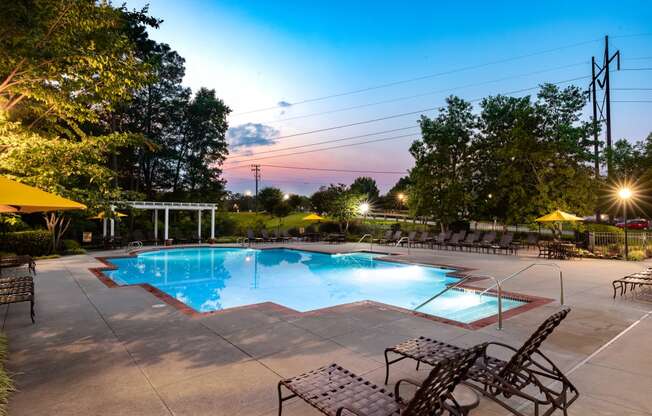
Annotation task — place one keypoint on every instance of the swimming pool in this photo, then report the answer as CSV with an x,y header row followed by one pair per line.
x,y
208,279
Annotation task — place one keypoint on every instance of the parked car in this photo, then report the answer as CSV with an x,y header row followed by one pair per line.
x,y
637,224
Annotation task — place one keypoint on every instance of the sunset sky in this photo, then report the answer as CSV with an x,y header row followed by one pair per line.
x,y
274,56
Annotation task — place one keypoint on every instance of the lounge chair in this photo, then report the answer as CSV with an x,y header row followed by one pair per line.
x,y
532,240
411,238
505,243
527,372
394,238
424,239
470,241
634,280
286,236
18,292
487,241
251,237
442,239
279,236
18,261
266,237
334,390
455,239
384,238
335,238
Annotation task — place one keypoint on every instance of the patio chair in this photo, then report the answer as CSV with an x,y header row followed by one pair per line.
x,y
442,238
486,241
532,240
334,390
470,241
280,237
424,239
286,236
455,239
411,237
634,280
266,237
528,374
17,293
8,262
383,239
394,238
252,237
505,243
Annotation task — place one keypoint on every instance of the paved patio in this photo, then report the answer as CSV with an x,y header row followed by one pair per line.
x,y
96,350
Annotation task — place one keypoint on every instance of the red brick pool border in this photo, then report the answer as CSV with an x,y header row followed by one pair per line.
x,y
531,302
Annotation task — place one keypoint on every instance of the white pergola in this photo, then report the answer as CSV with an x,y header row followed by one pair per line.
x,y
166,207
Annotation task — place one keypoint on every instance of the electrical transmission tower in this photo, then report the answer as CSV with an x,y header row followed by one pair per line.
x,y
602,108
256,170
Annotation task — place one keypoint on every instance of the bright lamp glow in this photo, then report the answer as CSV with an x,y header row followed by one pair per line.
x,y
247,193
286,197
364,208
400,196
625,193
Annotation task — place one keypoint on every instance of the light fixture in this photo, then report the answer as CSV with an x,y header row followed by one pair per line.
x,y
364,208
286,197
624,193
247,193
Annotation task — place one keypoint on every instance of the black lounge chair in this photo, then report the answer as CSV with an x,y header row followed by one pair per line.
x,y
394,238
529,374
506,244
10,262
532,240
251,237
423,240
487,241
333,238
411,239
18,291
281,236
454,241
266,237
634,280
384,238
470,241
442,239
335,391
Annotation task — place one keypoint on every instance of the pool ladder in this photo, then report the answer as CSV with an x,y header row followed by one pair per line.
x,y
498,285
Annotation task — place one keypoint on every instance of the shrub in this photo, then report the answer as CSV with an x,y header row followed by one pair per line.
x,y
6,385
70,245
636,255
34,243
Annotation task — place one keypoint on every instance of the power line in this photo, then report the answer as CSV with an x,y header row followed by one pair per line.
x,y
330,141
419,78
239,162
636,69
379,172
425,94
631,101
631,89
411,112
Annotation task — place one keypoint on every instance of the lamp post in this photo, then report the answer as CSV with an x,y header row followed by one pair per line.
x,y
364,209
625,194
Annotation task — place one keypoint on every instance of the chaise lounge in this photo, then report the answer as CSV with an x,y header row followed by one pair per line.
x,y
529,374
336,391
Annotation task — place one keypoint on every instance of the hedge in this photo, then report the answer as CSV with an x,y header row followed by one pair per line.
x,y
6,385
34,243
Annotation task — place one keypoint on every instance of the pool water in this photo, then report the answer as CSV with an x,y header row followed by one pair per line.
x,y
208,279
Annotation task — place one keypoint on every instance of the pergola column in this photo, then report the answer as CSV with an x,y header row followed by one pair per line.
x,y
112,221
104,227
199,224
167,219
156,225
212,223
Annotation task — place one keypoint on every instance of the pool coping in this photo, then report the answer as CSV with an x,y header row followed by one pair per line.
x,y
531,302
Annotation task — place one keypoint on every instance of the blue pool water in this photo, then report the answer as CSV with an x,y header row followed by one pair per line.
x,y
208,279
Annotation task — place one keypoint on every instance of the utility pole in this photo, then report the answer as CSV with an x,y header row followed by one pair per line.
x,y
600,80
256,170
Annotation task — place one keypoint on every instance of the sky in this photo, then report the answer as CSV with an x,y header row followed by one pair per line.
x,y
288,68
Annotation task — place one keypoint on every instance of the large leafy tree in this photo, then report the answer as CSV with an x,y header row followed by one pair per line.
x,y
441,175
365,185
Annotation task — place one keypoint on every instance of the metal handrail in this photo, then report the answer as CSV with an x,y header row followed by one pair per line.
x,y
242,240
371,241
446,289
400,240
513,275
496,284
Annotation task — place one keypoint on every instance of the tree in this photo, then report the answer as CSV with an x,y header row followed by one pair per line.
x,y
269,198
364,185
321,200
344,205
441,175
61,60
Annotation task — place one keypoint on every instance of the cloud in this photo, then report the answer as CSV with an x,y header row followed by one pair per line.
x,y
251,134
284,104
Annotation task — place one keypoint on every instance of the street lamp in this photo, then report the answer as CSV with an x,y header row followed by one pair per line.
x,y
625,194
286,197
364,209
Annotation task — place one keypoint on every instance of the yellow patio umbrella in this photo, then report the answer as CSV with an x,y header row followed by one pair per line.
x,y
559,216
21,198
101,215
313,217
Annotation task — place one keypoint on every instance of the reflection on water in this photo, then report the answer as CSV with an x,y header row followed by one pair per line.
x,y
208,279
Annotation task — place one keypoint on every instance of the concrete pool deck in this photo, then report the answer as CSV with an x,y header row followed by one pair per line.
x,y
96,350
